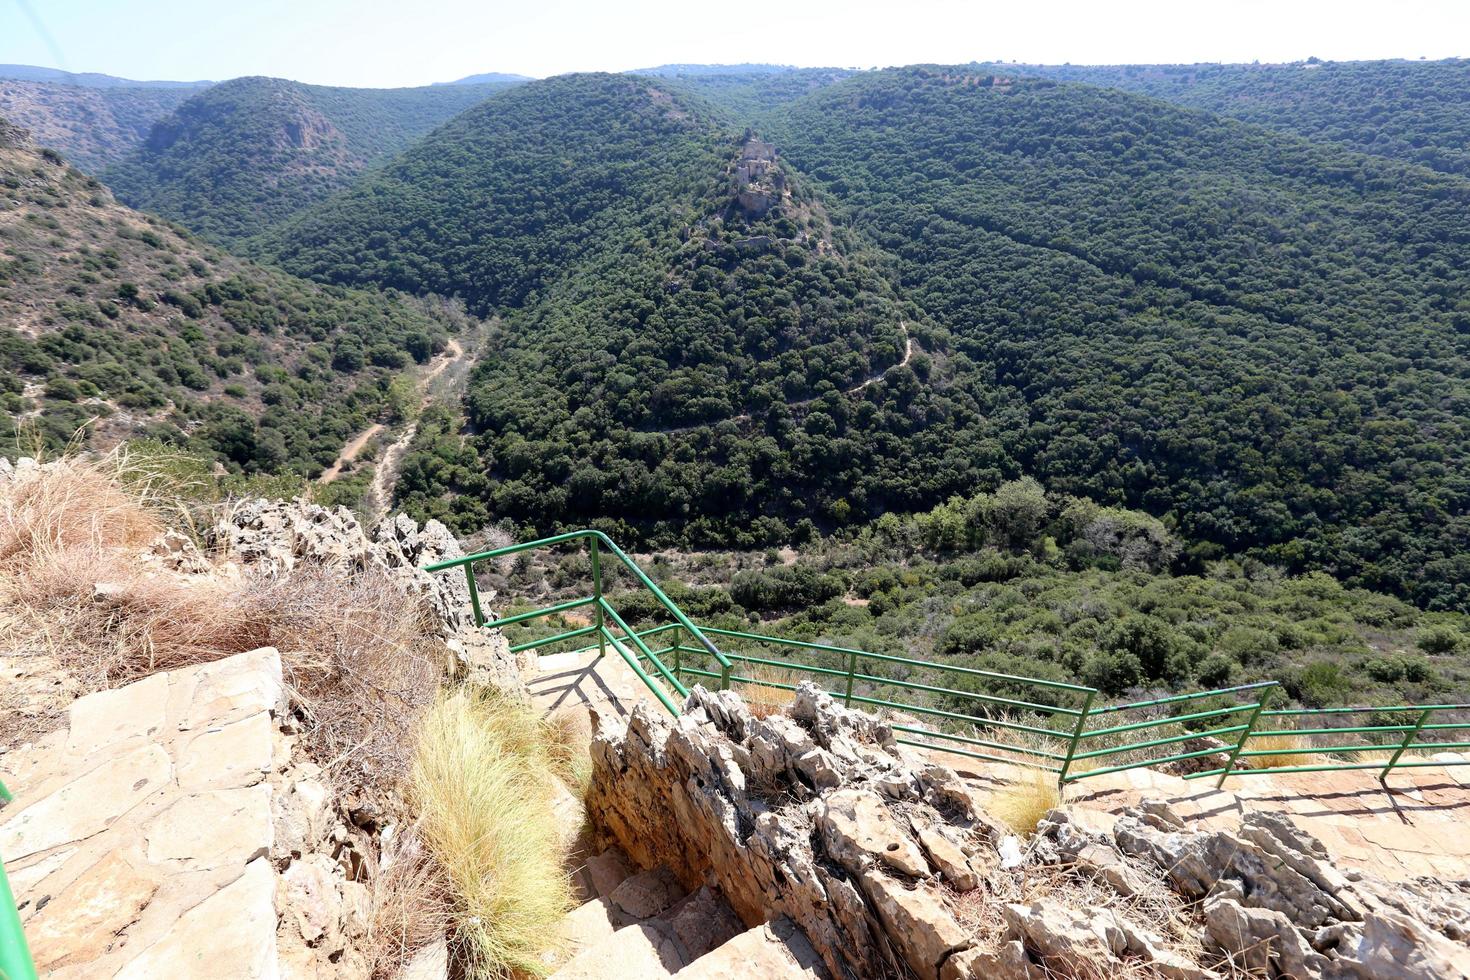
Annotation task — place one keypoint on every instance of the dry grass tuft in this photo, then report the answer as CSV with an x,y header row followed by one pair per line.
x,y
1276,744
409,907
482,784
761,696
1024,798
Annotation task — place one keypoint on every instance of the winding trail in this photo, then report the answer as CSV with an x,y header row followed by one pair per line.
x,y
378,495
863,385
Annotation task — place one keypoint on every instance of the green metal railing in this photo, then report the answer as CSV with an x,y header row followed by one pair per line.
x,y
1043,724
603,612
15,955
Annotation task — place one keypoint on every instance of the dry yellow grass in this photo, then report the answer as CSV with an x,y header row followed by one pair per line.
x,y
761,696
73,588
409,907
1279,746
1024,798
482,786
77,502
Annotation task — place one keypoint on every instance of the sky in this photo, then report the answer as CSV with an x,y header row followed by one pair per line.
x,y
415,42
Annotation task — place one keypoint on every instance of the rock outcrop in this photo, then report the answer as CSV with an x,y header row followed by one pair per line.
x,y
173,819
811,816
276,535
874,852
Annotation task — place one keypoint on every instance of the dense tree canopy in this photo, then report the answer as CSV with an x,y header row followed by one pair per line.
x,y
1266,339
1407,110
243,155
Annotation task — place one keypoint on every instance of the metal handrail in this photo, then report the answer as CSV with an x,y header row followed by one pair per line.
x,y
15,955
1199,715
596,540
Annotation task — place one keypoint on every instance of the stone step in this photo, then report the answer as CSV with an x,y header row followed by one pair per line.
x,y
590,924
777,949
645,950
599,874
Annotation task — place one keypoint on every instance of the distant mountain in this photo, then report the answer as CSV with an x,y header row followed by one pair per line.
x,y
498,77
115,324
1418,111
243,155
93,127
691,70
86,79
746,92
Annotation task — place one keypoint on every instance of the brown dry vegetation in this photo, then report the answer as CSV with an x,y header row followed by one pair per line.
x,y
76,588
479,854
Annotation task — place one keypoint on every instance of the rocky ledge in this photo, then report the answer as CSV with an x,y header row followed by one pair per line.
x,y
890,866
178,818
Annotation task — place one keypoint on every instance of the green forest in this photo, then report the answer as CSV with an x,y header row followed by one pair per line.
x,y
1408,110
243,155
120,325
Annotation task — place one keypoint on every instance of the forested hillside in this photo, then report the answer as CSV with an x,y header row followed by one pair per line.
x,y
668,362
502,200
1407,110
747,91
93,127
114,324
1264,339
246,154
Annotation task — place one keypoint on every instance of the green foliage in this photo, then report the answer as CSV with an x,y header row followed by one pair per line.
x,y
244,155
1407,110
119,325
1257,338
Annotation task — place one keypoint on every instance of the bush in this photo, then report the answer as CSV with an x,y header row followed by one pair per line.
x,y
795,587
1438,638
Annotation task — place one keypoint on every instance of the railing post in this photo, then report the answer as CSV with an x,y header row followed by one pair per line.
x,y
724,677
677,651
596,558
1408,741
469,577
851,669
1250,726
1077,731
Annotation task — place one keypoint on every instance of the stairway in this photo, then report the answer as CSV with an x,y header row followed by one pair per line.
x,y
645,924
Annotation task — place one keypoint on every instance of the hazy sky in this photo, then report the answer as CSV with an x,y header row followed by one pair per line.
x,y
413,42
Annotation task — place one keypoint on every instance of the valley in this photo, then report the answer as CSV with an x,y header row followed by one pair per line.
x,y
709,520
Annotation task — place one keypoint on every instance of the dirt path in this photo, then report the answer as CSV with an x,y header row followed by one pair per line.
x,y
453,355
872,379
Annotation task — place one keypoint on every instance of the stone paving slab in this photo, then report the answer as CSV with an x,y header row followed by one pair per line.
x,y
138,841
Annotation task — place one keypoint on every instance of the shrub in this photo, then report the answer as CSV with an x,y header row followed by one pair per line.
x,y
1438,638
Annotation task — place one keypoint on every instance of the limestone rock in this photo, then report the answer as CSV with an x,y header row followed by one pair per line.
x,y
916,921
429,963
1262,940
81,924
1008,962
647,894
1075,941
858,830
87,804
235,927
